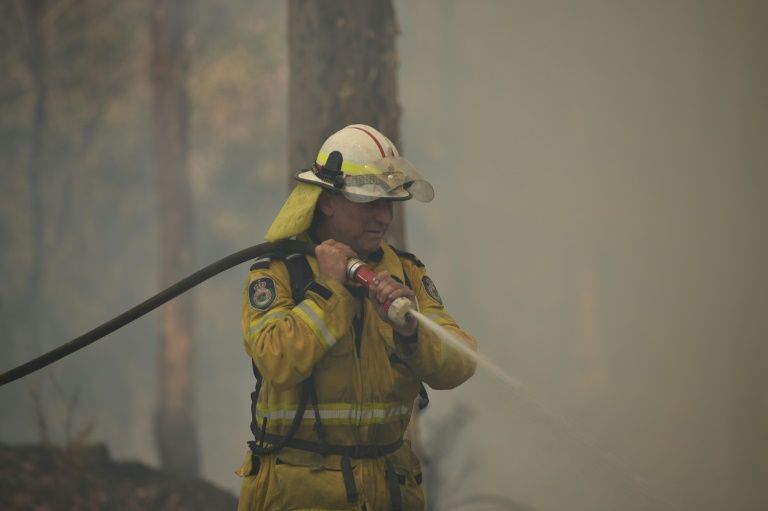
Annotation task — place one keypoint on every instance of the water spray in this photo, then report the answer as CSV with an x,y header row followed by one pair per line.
x,y
401,309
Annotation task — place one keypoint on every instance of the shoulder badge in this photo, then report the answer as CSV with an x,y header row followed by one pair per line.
x,y
431,289
261,293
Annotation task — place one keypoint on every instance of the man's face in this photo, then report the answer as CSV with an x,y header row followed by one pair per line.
x,y
362,226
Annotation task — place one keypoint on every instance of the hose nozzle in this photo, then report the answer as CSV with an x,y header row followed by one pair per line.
x,y
358,271
398,309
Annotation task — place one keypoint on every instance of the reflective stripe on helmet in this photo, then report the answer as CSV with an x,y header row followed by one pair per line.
x,y
378,144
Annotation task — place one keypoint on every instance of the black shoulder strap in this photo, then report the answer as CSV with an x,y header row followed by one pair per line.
x,y
300,274
406,255
406,278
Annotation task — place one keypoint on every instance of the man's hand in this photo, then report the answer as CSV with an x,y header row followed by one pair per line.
x,y
332,259
386,289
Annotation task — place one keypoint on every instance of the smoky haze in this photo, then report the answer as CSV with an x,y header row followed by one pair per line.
x,y
599,225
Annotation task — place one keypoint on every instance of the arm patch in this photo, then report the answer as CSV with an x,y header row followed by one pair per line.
x,y
261,293
431,289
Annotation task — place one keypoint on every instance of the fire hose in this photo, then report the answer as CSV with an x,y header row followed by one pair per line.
x,y
152,303
357,271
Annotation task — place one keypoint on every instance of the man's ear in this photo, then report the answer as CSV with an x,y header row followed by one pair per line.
x,y
325,203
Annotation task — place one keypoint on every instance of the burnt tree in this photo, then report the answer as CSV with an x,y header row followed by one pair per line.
x,y
175,428
343,70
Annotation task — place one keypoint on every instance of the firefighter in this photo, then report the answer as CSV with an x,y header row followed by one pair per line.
x,y
336,379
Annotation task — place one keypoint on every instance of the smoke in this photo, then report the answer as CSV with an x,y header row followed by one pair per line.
x,y
598,226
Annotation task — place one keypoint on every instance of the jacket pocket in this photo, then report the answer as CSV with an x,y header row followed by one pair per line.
x,y
306,483
257,490
408,469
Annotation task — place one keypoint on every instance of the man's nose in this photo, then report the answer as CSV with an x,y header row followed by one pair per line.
x,y
383,212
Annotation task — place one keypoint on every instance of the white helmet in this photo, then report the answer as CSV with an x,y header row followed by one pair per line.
x,y
364,165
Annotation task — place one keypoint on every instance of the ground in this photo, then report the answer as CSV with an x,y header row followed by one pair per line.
x,y
49,478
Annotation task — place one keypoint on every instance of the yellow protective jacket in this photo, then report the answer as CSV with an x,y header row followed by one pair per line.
x,y
366,380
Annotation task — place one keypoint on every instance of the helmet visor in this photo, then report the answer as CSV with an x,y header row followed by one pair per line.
x,y
393,178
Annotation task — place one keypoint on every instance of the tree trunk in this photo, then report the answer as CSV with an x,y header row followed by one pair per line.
x,y
343,70
175,428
